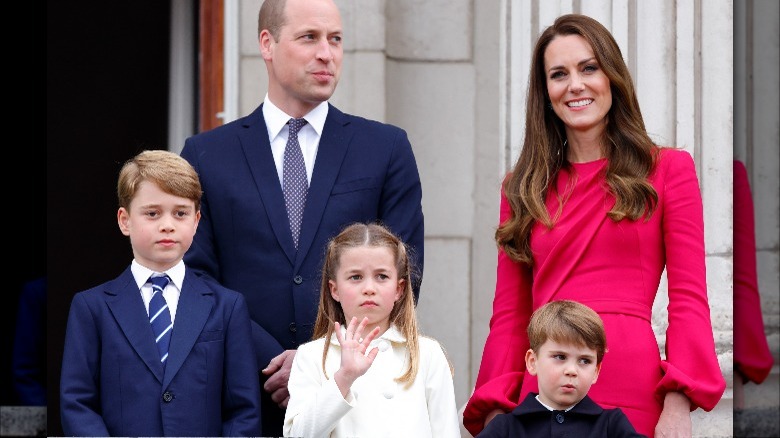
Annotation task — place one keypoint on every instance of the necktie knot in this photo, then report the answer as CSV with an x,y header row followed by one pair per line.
x,y
296,125
159,282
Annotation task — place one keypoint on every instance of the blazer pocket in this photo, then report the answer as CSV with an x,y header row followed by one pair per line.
x,y
210,336
356,185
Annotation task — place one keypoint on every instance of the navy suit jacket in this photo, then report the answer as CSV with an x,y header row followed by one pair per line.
x,y
114,384
585,420
364,171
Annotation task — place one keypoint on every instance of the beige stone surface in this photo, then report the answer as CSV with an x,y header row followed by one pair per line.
x,y
22,421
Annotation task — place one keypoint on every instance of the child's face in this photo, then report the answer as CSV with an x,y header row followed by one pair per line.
x,y
367,285
565,372
160,226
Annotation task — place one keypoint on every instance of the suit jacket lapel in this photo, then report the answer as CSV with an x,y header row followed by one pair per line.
x,y
195,303
334,143
257,148
125,302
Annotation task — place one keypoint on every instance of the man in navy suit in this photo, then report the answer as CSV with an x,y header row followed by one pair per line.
x,y
117,377
357,170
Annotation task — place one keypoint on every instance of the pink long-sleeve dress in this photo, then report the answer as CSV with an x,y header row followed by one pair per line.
x,y
615,268
751,350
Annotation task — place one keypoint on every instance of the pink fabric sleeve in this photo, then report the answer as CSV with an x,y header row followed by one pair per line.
x,y
503,359
691,364
751,350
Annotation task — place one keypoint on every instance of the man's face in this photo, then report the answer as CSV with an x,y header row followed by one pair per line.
x,y
304,65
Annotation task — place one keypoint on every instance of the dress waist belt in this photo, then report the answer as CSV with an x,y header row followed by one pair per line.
x,y
631,308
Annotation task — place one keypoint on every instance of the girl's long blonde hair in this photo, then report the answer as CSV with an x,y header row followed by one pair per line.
x,y
403,315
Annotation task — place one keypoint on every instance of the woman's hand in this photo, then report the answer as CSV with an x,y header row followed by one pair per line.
x,y
354,360
675,421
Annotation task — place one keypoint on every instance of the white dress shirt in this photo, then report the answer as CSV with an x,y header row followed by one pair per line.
x,y
172,291
308,137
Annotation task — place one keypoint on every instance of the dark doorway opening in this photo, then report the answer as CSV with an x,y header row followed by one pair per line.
x,y
107,67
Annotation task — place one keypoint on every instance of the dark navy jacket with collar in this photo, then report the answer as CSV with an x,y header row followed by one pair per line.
x,y
584,420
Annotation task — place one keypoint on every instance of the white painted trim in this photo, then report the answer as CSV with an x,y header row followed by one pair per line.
x,y
181,76
231,52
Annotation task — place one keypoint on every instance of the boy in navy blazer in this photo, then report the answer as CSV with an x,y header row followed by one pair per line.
x,y
116,378
568,343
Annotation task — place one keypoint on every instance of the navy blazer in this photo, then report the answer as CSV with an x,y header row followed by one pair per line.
x,y
585,420
114,384
364,171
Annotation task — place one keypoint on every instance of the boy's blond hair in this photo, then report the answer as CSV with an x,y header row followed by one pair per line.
x,y
567,321
170,172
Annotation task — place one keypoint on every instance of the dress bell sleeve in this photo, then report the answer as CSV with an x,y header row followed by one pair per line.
x,y
503,359
751,351
691,363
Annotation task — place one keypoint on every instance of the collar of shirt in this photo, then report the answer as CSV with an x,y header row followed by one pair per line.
x,y
308,137
551,409
141,275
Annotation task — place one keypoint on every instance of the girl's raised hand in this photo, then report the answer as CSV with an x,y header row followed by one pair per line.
x,y
354,360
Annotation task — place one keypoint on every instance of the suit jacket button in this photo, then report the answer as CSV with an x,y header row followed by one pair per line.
x,y
293,327
559,418
167,396
298,279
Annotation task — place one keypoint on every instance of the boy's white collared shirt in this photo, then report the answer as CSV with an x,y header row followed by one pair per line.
x,y
172,291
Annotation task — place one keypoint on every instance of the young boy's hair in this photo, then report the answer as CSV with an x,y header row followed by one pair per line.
x,y
403,314
169,171
567,321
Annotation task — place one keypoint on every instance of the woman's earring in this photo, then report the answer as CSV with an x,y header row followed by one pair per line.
x,y
562,147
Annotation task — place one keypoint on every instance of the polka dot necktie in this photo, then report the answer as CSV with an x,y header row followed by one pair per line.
x,y
160,316
294,182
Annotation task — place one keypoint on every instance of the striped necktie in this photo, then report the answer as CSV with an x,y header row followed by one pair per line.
x,y
160,316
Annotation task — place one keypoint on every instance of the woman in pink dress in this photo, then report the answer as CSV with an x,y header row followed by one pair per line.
x,y
593,211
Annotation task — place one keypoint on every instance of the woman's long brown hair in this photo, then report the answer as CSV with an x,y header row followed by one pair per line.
x,y
630,153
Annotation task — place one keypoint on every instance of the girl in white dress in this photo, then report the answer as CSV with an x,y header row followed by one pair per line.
x,y
377,376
